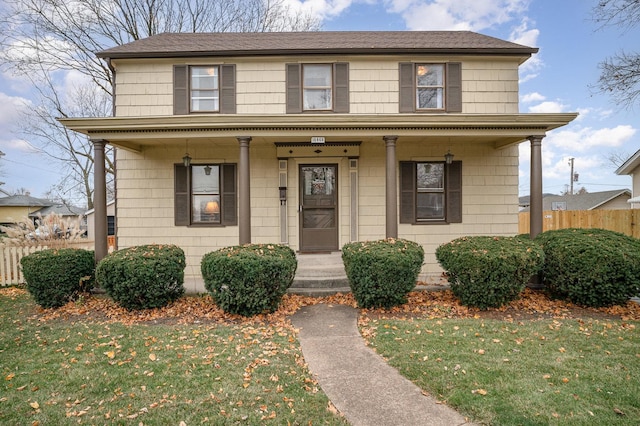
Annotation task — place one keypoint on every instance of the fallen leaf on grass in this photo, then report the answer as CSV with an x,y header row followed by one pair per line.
x,y
479,391
34,405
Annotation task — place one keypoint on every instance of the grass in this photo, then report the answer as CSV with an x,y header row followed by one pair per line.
x,y
83,367
533,372
79,372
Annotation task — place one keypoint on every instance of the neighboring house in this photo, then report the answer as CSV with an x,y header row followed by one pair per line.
x,y
605,200
525,201
315,140
632,167
111,220
17,208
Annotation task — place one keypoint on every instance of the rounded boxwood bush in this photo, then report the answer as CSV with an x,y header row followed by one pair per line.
x,y
591,267
143,277
249,279
487,272
382,273
56,276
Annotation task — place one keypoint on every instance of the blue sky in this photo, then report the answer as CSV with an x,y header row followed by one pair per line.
x,y
558,79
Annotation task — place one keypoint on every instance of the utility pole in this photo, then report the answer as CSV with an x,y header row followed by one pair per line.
x,y
571,178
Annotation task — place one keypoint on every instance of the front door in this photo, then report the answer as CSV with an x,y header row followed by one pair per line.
x,y
318,207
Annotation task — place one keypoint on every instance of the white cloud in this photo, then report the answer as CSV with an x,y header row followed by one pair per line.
x,y
548,107
323,9
474,15
582,139
10,109
532,97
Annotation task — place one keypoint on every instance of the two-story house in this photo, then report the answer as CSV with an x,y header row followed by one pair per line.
x,y
315,140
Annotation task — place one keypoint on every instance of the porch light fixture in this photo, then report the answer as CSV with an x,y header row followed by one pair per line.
x,y
448,157
186,160
207,170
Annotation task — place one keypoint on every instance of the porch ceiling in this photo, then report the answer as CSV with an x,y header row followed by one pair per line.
x,y
500,130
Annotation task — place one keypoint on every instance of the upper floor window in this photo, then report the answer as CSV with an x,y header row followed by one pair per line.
x,y
317,87
430,87
204,89
205,194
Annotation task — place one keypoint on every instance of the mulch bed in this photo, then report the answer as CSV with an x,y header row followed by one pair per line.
x,y
201,309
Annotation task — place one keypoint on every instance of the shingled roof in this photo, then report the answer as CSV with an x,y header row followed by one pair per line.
x,y
322,42
587,201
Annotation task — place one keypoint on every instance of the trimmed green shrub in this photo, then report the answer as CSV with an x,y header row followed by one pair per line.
x,y
591,267
250,279
56,276
489,272
143,277
382,273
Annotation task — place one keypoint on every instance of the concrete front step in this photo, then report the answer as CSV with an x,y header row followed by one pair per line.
x,y
320,275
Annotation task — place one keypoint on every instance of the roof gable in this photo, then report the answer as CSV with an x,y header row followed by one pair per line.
x,y
630,165
588,201
322,42
24,201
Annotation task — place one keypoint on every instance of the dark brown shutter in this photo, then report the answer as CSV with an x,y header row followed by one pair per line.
x,y
407,87
227,89
454,192
454,87
181,195
180,90
341,83
229,195
294,89
407,192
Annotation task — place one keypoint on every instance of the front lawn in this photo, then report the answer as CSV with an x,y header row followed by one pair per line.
x,y
81,371
520,372
535,361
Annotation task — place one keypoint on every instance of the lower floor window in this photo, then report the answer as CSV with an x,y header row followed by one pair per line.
x,y
430,196
430,192
205,194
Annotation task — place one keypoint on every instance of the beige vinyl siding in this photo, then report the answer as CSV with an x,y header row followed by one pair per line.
x,y
145,198
144,88
15,214
489,208
618,203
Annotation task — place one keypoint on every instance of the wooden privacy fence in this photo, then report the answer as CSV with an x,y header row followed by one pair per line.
x,y
10,255
623,221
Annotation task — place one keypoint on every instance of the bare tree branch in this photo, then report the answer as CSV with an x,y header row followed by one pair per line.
x,y
44,40
620,73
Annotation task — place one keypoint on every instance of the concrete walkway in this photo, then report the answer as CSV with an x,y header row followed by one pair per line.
x,y
360,384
